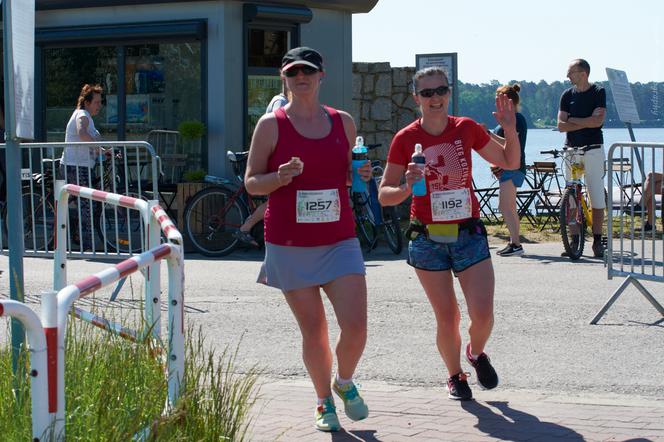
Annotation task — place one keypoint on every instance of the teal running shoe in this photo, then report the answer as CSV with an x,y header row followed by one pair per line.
x,y
354,405
326,416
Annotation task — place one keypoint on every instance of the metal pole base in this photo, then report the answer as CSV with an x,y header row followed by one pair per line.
x,y
618,292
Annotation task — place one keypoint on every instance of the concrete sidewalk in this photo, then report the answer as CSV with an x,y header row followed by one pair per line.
x,y
561,378
401,413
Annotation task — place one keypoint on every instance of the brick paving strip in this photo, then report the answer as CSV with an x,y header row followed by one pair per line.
x,y
284,412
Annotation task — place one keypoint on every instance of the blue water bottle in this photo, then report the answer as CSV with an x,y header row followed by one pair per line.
x,y
419,187
360,157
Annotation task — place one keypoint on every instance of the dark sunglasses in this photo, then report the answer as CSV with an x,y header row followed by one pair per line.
x,y
440,90
306,70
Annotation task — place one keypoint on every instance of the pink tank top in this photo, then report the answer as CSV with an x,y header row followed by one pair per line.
x,y
326,163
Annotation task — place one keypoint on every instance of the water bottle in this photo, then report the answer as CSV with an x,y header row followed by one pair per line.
x,y
420,186
360,157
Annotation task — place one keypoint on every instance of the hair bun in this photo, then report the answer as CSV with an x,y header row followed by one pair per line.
x,y
516,87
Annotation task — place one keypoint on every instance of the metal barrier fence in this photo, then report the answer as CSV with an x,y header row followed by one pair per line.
x,y
128,168
634,250
46,338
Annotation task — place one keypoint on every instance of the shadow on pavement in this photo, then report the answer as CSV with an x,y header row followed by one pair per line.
x,y
549,259
355,435
514,424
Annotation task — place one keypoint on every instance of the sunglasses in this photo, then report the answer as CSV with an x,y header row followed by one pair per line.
x,y
306,70
440,90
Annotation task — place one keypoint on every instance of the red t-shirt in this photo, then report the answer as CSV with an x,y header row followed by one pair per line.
x,y
325,168
448,160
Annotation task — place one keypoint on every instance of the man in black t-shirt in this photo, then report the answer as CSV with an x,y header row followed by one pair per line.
x,y
581,115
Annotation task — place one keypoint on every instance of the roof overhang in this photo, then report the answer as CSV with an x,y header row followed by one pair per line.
x,y
344,5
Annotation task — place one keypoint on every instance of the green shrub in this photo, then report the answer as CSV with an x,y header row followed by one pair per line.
x,y
115,389
193,176
191,130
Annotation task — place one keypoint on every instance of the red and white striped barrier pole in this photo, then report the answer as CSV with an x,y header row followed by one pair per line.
x,y
175,264
49,320
38,366
68,295
153,276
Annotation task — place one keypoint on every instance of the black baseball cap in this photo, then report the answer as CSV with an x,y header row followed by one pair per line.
x,y
302,56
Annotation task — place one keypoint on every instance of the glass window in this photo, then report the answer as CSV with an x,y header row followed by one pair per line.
x,y
266,48
163,87
66,71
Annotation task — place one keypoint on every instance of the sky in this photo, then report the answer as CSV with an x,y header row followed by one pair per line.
x,y
517,39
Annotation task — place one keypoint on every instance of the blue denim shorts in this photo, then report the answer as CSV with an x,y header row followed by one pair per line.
x,y
470,248
516,176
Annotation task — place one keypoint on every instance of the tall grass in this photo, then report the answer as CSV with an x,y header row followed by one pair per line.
x,y
116,390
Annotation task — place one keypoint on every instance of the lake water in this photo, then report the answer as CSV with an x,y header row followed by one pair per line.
x,y
547,139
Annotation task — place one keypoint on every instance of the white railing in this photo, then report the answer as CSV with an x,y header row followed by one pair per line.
x,y
129,167
633,251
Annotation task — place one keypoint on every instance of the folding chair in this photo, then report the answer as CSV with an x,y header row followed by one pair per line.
x,y
548,177
484,197
173,162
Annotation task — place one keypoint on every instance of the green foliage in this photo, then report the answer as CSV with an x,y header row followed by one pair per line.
x,y
194,176
540,101
116,389
191,130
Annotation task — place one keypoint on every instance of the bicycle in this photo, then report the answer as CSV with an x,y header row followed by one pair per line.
x,y
372,218
573,222
214,215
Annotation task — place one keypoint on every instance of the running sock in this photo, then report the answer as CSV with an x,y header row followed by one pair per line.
x,y
342,381
320,400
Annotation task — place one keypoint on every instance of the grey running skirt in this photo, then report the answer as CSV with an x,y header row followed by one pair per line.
x,y
290,268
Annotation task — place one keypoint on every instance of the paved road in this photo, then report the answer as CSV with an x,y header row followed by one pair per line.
x,y
542,344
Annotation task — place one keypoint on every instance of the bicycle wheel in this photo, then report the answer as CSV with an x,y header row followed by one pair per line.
x,y
121,229
392,229
572,224
364,220
211,218
38,222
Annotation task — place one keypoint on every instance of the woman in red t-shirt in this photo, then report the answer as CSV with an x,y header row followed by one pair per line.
x,y
446,233
300,156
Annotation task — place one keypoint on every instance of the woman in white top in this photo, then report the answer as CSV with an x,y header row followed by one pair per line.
x,y
77,162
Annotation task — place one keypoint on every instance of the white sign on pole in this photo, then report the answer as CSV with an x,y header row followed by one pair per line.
x,y
22,68
622,96
446,61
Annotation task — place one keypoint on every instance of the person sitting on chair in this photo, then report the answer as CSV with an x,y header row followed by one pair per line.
x,y
648,188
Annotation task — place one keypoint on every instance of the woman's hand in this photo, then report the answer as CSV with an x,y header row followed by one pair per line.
x,y
289,170
505,113
413,174
365,171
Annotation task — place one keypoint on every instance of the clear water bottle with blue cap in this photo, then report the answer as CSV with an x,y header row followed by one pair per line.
x,y
360,157
420,186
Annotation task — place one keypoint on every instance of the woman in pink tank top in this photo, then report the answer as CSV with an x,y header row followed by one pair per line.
x,y
300,156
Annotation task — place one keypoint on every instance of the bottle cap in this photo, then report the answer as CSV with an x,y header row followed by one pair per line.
x,y
418,148
359,141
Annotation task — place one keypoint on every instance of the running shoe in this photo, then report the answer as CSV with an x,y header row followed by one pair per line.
x,y
598,249
458,388
354,405
511,249
486,375
246,238
326,416
574,245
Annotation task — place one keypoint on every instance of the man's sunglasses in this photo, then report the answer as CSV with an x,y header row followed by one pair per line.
x,y
306,70
440,90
